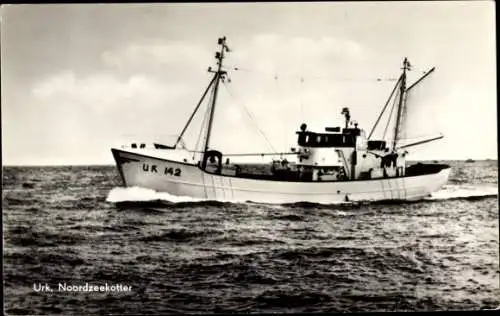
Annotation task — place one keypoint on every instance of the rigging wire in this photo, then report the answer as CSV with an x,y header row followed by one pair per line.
x,y
419,137
327,77
301,99
383,109
301,77
278,93
251,118
250,154
390,113
202,129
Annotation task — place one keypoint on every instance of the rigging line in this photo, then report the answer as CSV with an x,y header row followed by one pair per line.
x,y
253,154
251,118
418,137
385,106
195,110
421,142
200,135
390,114
310,77
261,154
421,78
301,89
205,117
286,121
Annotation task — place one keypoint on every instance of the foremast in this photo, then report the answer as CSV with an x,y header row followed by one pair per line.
x,y
219,75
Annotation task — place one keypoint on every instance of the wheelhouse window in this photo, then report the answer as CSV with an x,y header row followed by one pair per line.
x,y
310,139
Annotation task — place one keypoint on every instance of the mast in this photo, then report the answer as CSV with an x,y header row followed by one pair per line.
x,y
402,90
219,75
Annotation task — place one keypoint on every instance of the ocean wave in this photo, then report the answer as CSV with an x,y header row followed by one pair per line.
x,y
137,194
180,235
26,236
449,192
142,197
281,298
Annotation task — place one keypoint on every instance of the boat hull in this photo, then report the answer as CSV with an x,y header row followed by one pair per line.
x,y
186,179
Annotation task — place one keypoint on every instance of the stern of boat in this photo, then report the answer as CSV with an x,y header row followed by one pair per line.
x,y
442,176
425,179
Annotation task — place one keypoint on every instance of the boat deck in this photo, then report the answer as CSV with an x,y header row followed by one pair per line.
x,y
418,169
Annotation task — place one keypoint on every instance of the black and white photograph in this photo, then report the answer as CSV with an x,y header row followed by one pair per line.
x,y
249,157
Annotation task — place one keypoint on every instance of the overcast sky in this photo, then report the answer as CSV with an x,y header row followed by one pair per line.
x,y
80,78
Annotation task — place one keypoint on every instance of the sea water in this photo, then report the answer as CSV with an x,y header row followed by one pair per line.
x,y
76,226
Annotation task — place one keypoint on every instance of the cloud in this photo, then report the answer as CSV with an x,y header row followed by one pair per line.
x,y
99,109
103,92
262,52
261,56
155,53
270,52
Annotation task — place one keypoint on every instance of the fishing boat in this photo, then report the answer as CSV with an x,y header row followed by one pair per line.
x,y
337,164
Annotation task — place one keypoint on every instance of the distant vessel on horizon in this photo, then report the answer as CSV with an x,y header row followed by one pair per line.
x,y
470,160
335,165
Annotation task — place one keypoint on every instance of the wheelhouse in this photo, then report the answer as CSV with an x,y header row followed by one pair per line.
x,y
326,140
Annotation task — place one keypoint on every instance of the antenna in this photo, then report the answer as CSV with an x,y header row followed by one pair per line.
x,y
345,112
406,64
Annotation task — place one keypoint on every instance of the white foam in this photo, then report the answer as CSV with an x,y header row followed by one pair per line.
x,y
136,194
463,191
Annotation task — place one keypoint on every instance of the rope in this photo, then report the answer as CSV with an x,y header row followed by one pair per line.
x,y
278,93
277,75
207,112
251,118
390,114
